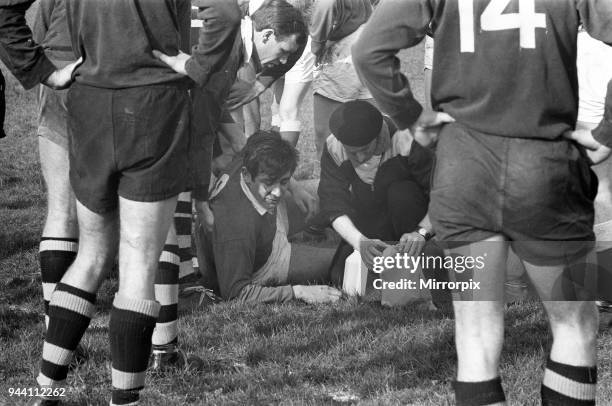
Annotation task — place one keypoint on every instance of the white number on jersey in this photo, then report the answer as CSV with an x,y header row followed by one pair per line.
x,y
494,19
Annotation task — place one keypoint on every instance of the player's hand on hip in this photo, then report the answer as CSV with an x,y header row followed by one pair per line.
x,y
204,215
316,293
597,152
425,130
176,63
62,78
371,248
411,244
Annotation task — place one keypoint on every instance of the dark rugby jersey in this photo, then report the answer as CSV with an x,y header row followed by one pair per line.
x,y
498,68
242,240
50,30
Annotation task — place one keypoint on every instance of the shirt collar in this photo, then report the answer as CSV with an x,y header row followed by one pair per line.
x,y
246,32
256,204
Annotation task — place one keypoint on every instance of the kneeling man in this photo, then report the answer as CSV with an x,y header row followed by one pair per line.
x,y
247,255
374,186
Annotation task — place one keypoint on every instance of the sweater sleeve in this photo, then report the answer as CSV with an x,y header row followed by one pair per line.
x,y
220,24
22,56
596,16
334,189
603,132
394,25
265,294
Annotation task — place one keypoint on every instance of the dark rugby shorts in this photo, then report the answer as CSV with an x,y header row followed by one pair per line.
x,y
537,193
130,142
53,115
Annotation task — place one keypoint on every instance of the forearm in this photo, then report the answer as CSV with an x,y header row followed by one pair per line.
x,y
289,110
234,135
265,294
603,132
347,230
24,58
220,25
393,26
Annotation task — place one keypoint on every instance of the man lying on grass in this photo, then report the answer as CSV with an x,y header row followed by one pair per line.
x,y
247,255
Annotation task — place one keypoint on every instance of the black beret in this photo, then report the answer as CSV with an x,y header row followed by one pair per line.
x,y
356,123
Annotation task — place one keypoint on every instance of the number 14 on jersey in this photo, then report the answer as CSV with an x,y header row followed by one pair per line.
x,y
493,18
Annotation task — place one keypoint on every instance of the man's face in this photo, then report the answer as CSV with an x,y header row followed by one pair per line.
x,y
359,155
271,51
266,190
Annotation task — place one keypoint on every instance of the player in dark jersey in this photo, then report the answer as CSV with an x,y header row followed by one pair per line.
x,y
507,172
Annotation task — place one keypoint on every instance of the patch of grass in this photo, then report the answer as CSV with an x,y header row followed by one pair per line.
x,y
292,354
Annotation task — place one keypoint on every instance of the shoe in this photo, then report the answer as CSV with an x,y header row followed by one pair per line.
x,y
604,306
169,357
44,402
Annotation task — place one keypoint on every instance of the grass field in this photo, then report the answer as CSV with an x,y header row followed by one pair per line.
x,y
353,352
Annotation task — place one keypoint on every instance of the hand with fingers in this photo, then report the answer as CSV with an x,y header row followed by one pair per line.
x,y
370,248
316,293
425,130
597,152
176,63
62,78
411,243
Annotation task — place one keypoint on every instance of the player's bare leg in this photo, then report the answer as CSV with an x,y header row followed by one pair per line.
x,y
479,327
143,229
59,241
571,372
72,302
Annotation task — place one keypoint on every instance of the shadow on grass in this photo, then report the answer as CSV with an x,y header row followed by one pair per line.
x,y
12,320
17,241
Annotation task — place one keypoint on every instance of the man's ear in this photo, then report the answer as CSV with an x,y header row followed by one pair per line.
x,y
246,175
266,34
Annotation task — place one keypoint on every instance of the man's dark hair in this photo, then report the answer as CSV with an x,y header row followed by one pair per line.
x,y
281,17
267,153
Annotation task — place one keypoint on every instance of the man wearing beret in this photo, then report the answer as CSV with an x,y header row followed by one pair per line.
x,y
374,185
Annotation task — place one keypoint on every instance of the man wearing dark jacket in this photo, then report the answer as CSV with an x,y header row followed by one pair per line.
x,y
374,185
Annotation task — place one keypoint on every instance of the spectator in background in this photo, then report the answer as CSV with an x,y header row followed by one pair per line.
x,y
247,255
335,25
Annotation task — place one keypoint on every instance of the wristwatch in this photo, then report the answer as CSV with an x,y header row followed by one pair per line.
x,y
428,235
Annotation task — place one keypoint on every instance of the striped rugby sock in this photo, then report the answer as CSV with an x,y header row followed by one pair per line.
x,y
55,256
182,224
70,312
166,293
484,393
131,328
566,385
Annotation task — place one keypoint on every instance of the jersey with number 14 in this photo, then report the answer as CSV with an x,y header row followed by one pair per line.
x,y
501,67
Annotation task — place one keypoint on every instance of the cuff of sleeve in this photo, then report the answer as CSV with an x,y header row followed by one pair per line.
x,y
603,133
39,72
408,116
196,72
